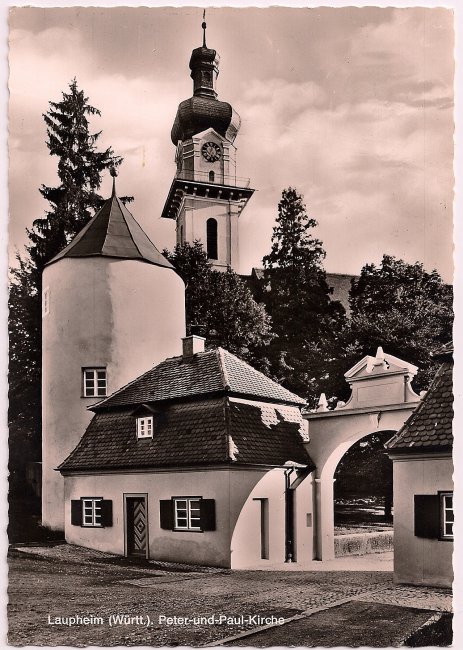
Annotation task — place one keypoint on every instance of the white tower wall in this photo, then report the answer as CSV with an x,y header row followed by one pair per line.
x,y
192,225
124,315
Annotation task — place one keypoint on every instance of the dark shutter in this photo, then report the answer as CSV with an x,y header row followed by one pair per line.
x,y
166,511
207,510
427,516
106,513
76,513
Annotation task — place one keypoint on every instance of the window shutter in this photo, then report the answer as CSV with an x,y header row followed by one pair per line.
x,y
207,510
76,513
106,513
427,516
166,510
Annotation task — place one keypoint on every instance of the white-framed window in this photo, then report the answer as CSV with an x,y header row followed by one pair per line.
x,y
94,382
46,302
91,512
187,514
446,508
145,427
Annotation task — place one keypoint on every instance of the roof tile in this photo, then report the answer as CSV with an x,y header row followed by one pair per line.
x,y
194,433
215,371
113,232
430,425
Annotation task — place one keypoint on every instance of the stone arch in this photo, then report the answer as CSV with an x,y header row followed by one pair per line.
x,y
244,545
338,452
381,400
364,472
323,492
254,521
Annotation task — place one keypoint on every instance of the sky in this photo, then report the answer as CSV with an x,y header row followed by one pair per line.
x,y
351,106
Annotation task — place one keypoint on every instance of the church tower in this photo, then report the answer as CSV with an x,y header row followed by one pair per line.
x,y
113,307
206,196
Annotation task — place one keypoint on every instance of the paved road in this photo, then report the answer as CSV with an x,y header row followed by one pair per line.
x,y
50,585
388,625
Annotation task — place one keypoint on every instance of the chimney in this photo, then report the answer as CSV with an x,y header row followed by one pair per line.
x,y
192,345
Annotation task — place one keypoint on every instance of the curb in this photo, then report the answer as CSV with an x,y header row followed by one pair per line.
x,y
432,619
305,614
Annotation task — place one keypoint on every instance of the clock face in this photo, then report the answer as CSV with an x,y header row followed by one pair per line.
x,y
211,151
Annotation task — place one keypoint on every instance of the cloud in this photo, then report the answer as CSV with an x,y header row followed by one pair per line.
x,y
351,106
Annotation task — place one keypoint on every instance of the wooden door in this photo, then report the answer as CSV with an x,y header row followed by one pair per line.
x,y
137,526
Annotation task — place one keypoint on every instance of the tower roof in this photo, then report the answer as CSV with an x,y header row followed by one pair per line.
x,y
199,113
113,232
204,110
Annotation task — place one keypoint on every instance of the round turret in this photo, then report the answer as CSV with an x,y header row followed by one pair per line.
x,y
113,308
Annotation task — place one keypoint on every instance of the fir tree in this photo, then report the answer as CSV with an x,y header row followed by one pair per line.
x,y
304,354
71,205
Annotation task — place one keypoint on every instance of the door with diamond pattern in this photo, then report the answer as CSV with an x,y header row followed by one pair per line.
x,y
137,526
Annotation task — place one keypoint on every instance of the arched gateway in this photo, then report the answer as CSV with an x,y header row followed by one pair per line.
x,y
382,399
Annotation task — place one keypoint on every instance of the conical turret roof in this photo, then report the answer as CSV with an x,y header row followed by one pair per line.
x,y
113,232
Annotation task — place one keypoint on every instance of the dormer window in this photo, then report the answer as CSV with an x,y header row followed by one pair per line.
x,y
145,427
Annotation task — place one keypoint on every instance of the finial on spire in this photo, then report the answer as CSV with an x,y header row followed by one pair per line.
x,y
204,28
113,172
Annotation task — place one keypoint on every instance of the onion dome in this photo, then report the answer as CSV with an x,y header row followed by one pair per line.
x,y
197,114
204,110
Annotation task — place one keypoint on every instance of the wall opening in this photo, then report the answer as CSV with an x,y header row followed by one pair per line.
x,y
211,176
211,232
264,529
363,487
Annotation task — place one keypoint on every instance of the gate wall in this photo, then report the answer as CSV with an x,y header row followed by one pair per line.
x,y
381,400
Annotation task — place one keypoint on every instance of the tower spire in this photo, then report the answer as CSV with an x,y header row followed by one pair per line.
x,y
113,172
204,28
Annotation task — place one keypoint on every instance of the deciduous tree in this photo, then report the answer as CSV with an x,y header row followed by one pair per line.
x,y
220,306
403,308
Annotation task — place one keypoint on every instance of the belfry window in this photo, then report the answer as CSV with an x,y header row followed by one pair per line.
x,y
211,231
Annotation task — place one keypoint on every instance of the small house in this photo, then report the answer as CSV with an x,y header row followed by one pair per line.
x,y
423,487
200,460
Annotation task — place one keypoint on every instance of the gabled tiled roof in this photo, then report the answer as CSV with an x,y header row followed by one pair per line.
x,y
429,428
113,232
207,432
215,371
